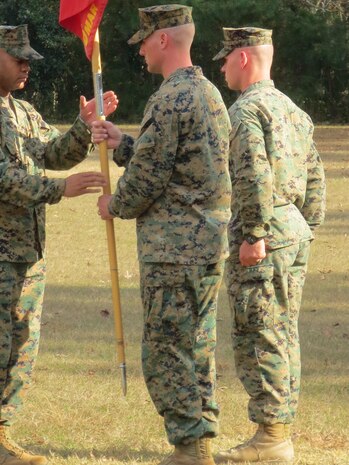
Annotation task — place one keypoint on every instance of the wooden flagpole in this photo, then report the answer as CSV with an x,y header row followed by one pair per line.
x,y
103,156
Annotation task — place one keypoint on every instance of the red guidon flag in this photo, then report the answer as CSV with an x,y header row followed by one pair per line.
x,y
82,18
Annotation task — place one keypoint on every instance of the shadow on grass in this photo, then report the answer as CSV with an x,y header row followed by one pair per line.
x,y
120,454
74,308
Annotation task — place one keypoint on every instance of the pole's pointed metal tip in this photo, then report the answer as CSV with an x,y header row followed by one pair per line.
x,y
123,378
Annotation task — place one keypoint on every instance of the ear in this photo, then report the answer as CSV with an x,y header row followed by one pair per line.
x,y
243,59
163,40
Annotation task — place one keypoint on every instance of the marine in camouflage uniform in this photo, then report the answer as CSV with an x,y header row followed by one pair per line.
x,y
28,146
177,185
277,201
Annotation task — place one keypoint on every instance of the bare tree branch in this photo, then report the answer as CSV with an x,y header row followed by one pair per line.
x,y
337,7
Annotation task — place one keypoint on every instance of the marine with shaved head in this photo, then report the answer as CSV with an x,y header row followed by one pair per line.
x,y
176,183
277,202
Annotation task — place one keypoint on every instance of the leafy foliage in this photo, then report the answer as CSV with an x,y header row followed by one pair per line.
x,y
310,64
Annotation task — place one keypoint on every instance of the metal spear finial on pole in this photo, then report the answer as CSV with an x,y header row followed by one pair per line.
x,y
103,156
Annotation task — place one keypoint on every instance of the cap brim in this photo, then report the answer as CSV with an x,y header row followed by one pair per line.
x,y
25,53
139,36
222,54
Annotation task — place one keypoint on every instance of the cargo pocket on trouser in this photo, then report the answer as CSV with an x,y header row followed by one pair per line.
x,y
251,293
161,288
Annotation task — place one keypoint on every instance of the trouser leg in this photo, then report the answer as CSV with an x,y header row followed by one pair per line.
x,y
265,313
21,296
178,346
296,279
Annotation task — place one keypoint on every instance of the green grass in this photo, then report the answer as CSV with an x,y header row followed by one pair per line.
x,y
75,411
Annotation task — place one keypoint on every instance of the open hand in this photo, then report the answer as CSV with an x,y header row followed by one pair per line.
x,y
88,108
88,182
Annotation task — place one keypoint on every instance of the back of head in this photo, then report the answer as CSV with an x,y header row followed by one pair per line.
x,y
169,17
15,41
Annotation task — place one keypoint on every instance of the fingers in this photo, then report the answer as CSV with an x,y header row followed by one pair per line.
x,y
110,98
99,131
84,183
110,102
91,176
101,124
87,190
89,181
99,135
102,204
250,261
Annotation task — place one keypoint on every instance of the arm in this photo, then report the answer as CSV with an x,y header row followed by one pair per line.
x,y
252,175
66,150
24,190
313,208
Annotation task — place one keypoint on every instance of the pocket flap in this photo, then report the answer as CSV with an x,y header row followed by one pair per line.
x,y
257,273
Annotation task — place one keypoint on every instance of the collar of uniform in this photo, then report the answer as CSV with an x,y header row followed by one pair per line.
x,y
7,106
180,73
258,85
5,101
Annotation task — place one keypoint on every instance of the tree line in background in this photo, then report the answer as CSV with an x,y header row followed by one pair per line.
x,y
311,63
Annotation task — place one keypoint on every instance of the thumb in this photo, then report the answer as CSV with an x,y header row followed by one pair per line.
x,y
82,102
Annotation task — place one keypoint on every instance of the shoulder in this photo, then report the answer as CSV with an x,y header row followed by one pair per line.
x,y
30,111
262,104
189,93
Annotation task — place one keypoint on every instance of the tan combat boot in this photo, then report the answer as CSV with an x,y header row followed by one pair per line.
x,y
270,444
195,453
12,454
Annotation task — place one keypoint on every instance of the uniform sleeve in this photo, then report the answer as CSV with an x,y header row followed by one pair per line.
x,y
123,154
63,151
19,188
251,173
150,168
313,208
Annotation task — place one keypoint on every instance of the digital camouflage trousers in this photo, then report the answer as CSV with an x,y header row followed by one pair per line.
x,y
265,302
178,347
21,295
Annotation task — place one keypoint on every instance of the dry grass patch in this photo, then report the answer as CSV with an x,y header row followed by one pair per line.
x,y
76,412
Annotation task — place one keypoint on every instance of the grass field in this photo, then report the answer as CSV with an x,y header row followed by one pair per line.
x,y
76,412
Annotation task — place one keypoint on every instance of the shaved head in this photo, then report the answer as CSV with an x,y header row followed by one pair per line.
x,y
262,55
182,36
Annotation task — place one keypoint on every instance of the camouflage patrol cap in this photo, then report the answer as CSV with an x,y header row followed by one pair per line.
x,y
157,17
243,37
15,41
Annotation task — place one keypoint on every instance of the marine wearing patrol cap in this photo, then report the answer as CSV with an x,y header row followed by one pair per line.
x,y
15,41
157,17
243,37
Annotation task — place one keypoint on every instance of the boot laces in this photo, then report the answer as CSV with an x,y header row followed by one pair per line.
x,y
10,445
